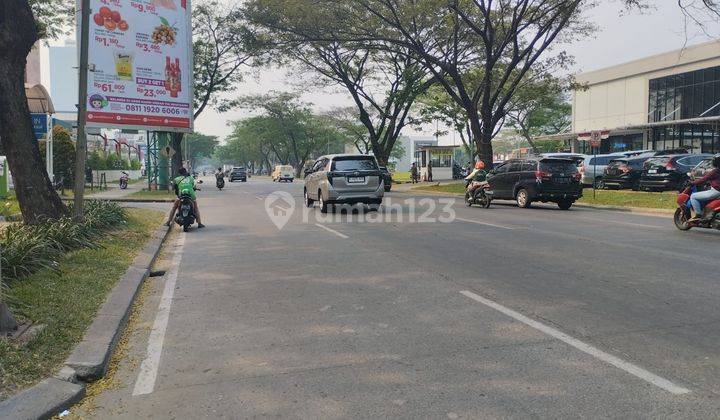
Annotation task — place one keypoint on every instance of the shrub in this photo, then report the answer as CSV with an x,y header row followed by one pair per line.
x,y
63,156
28,248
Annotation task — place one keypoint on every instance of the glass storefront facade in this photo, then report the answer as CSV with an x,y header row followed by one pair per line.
x,y
684,96
616,143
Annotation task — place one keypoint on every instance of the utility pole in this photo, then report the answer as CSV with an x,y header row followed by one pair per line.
x,y
81,147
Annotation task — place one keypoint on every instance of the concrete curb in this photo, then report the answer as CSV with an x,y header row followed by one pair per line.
x,y
634,210
89,360
43,401
128,200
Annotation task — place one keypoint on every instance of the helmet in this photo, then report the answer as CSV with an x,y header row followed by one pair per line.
x,y
480,165
716,161
183,172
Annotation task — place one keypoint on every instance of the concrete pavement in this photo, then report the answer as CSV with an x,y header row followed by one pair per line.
x,y
500,313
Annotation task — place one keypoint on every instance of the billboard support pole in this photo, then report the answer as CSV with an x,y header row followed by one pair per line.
x,y
81,147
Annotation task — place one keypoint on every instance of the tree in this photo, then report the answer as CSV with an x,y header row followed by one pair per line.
x,y
63,156
437,106
286,131
539,108
19,30
198,146
222,45
347,124
22,23
496,42
383,84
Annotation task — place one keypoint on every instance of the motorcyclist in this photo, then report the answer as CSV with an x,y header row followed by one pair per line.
x,y
219,174
699,198
184,185
478,177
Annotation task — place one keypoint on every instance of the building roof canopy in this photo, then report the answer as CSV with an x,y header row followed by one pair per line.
x,y
39,100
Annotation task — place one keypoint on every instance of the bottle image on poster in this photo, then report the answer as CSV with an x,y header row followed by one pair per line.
x,y
140,60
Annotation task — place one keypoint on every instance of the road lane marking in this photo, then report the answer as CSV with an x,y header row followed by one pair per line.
x,y
145,383
584,347
333,231
612,222
477,222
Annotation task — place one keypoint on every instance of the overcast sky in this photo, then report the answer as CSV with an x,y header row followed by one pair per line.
x,y
621,38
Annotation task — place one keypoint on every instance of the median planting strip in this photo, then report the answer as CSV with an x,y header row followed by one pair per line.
x,y
89,359
626,201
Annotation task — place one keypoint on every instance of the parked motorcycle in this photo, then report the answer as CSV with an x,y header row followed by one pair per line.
x,y
124,179
480,195
710,218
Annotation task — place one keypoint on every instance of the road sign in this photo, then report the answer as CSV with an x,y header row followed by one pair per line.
x,y
167,151
596,139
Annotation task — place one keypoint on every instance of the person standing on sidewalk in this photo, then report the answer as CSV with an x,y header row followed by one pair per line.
x,y
414,175
429,172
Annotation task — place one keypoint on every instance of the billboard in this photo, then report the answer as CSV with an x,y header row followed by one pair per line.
x,y
140,65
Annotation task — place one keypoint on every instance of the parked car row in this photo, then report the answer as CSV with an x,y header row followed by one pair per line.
x,y
640,169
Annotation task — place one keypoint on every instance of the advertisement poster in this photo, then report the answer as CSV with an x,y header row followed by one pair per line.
x,y
140,65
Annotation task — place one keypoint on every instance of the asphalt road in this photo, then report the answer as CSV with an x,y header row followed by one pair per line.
x,y
465,313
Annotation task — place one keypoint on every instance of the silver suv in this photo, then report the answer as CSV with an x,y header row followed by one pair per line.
x,y
593,168
344,179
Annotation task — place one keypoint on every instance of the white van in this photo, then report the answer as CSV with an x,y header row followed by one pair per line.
x,y
283,173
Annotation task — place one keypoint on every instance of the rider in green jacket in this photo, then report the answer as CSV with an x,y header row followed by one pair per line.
x,y
184,185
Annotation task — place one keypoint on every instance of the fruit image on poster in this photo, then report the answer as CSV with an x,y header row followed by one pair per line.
x,y
140,65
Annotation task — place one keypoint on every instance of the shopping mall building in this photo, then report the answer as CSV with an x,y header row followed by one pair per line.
x,y
667,101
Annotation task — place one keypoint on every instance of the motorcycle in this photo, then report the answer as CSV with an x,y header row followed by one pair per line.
x,y
185,215
710,218
220,182
480,195
124,178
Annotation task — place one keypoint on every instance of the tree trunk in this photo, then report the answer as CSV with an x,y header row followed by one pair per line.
x,y
482,134
7,322
177,159
36,196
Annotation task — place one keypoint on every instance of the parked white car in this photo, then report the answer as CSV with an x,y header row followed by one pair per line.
x,y
593,168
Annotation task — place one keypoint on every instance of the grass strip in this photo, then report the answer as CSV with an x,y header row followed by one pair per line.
x,y
614,198
66,301
152,195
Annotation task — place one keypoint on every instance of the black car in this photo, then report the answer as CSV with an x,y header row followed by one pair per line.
x,y
238,174
537,179
664,173
624,173
386,177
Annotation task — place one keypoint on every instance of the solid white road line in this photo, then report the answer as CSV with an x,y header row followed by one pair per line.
x,y
477,222
333,231
145,383
584,347
612,222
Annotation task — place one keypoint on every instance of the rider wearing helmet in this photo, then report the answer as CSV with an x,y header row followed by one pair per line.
x,y
184,185
698,198
479,174
478,177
